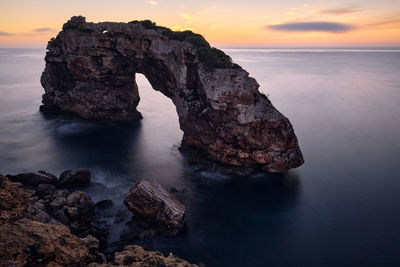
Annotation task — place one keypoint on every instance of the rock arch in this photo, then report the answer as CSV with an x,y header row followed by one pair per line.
x,y
90,74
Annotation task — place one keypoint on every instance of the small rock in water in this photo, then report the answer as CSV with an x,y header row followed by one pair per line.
x,y
151,201
76,177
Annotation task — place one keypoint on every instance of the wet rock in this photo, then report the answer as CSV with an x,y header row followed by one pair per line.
x,y
45,189
81,201
38,213
103,204
76,177
34,178
151,201
90,75
59,202
60,193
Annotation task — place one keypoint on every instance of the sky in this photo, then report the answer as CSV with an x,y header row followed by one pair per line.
x,y
258,23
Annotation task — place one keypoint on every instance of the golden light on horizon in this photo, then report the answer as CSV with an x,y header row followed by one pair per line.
x,y
372,23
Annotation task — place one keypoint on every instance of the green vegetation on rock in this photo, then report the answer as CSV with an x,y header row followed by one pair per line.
x,y
210,57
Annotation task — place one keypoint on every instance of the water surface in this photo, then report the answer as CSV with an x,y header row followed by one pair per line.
x,y
341,208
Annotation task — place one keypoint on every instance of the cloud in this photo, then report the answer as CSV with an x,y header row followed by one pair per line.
x,y
40,30
5,34
153,3
342,10
393,23
318,26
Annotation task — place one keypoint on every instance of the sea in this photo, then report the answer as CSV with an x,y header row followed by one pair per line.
x,y
341,208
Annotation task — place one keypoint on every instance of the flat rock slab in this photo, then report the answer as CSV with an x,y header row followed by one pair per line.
x,y
148,199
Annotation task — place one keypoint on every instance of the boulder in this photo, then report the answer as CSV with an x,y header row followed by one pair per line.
x,y
149,200
76,177
43,190
34,178
81,201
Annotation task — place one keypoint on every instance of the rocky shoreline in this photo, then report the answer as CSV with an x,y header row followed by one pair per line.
x,y
44,222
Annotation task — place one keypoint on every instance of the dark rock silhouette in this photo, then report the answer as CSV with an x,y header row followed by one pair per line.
x,y
90,75
149,200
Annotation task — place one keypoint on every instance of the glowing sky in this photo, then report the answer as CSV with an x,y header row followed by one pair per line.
x,y
223,23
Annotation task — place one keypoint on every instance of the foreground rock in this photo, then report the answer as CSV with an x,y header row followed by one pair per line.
x,y
25,242
76,177
136,256
58,206
34,178
90,74
151,201
30,243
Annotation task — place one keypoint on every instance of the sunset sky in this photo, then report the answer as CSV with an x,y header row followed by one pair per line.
x,y
223,23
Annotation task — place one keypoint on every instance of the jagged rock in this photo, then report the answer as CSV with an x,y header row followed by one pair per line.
x,y
81,201
90,74
26,242
60,193
76,177
13,201
34,178
150,200
54,245
136,256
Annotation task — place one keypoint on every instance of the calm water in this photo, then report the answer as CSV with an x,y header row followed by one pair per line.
x,y
341,208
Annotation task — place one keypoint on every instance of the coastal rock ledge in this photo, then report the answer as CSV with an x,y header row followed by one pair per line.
x,y
90,75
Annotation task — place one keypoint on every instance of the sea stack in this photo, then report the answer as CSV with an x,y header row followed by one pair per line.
x,y
90,75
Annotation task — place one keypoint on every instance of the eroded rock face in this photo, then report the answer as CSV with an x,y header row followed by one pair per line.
x,y
90,74
150,200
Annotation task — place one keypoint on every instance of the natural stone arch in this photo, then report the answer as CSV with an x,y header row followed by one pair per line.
x,y
90,74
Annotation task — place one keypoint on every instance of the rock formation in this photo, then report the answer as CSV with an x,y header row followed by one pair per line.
x,y
25,240
150,200
136,256
90,74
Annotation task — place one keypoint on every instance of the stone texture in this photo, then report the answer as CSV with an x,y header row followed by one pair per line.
x,y
136,256
90,74
26,242
34,178
13,201
76,177
55,245
150,200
